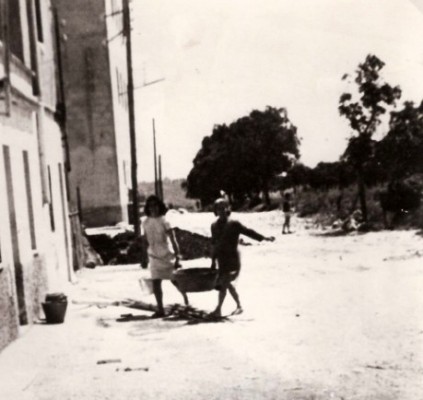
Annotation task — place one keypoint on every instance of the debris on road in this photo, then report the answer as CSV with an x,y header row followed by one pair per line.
x,y
189,313
109,361
129,369
374,367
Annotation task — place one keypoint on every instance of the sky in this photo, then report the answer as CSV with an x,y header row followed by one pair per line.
x,y
217,60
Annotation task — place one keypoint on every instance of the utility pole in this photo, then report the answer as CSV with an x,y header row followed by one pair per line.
x,y
131,111
156,183
160,183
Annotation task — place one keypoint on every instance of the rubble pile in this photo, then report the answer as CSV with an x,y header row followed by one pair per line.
x,y
126,248
104,245
193,245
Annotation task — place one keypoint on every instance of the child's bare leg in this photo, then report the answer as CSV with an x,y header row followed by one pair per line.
x,y
235,296
222,294
158,294
184,295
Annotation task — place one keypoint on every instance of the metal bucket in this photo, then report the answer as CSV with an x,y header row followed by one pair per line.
x,y
195,279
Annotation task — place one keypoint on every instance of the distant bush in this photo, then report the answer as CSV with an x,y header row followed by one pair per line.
x,y
327,206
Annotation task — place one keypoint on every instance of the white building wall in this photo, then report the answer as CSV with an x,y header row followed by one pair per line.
x,y
47,266
59,260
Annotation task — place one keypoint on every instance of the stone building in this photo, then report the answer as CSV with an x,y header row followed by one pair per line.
x,y
95,80
35,245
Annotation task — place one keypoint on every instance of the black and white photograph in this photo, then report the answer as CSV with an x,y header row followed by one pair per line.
x,y
211,199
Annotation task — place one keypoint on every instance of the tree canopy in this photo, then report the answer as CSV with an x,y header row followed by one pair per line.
x,y
243,157
400,151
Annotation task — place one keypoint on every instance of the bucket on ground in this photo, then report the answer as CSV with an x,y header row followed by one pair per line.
x,y
54,308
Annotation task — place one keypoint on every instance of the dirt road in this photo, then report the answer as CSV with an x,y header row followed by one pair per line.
x,y
325,318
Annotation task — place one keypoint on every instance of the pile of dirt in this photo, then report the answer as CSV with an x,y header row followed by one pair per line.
x,y
192,245
126,248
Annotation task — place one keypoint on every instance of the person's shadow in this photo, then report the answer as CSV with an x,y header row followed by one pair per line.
x,y
130,318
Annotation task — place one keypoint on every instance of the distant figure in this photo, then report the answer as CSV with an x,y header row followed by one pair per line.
x,y
287,212
162,259
225,236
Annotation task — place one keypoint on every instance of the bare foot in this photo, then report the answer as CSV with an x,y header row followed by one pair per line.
x,y
216,314
237,311
158,314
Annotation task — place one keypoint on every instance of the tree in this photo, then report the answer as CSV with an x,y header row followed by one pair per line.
x,y
276,143
327,175
299,175
400,151
364,115
242,158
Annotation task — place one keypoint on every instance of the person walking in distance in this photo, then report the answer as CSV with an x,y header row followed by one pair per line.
x,y
287,212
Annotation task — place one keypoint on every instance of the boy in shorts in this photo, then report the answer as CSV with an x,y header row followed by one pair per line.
x,y
225,236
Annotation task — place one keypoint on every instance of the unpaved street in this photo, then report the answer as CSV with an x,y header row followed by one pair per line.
x,y
325,318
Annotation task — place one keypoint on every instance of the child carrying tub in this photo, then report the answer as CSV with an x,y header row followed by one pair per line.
x,y
161,257
225,235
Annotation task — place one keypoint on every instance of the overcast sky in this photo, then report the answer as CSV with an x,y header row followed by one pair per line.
x,y
223,58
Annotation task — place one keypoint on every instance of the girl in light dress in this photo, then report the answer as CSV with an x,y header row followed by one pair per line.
x,y
163,249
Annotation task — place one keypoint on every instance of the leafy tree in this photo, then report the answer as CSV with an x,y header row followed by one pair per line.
x,y
326,175
299,175
400,151
243,157
276,144
364,115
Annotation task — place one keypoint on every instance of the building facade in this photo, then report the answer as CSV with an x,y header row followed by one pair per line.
x,y
95,81
35,245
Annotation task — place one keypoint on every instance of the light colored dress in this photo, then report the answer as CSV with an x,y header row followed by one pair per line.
x,y
160,254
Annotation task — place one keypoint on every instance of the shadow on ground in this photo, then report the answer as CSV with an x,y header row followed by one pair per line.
x,y
175,312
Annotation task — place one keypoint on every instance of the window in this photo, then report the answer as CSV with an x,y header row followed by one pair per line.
x,y
29,200
51,201
39,20
11,14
